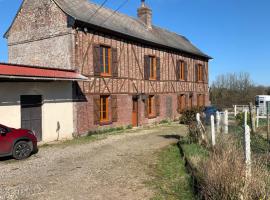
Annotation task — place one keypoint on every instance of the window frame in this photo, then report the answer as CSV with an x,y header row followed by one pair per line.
x,y
151,106
102,63
200,100
200,73
182,70
152,67
101,110
182,102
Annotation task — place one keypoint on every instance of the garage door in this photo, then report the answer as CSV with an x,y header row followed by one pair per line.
x,y
31,117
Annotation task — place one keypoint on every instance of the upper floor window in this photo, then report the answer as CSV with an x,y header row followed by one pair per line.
x,y
105,61
153,68
181,70
199,72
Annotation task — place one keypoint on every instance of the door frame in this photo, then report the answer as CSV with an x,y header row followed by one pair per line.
x,y
40,104
135,98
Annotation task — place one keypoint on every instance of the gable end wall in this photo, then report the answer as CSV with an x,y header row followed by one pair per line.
x,y
39,36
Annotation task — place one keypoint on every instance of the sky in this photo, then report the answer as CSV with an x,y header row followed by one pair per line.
x,y
236,33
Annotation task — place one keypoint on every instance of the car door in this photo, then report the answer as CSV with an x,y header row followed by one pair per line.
x,y
5,142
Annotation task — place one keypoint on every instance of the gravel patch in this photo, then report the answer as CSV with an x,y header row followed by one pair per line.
x,y
114,168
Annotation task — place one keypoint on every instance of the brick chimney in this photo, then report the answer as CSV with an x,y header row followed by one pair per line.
x,y
145,15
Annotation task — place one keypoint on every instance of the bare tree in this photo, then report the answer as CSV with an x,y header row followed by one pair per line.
x,y
235,89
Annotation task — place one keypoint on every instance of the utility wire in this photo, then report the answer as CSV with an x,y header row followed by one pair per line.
x,y
122,5
91,16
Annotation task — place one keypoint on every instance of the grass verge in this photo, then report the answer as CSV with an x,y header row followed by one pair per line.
x,y
171,180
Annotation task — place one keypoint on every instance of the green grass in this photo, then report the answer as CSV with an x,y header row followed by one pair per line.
x,y
171,179
193,149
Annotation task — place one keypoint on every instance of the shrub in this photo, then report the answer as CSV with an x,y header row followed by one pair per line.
x,y
223,175
164,121
129,127
240,119
189,115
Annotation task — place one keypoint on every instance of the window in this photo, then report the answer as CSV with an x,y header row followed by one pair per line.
x,y
153,68
104,108
105,61
200,72
200,100
181,102
190,101
151,103
182,70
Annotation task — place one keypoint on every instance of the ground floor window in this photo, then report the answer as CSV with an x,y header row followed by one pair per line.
x,y
181,102
151,104
190,101
200,100
104,108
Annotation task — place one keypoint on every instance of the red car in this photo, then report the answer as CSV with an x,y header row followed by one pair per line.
x,y
19,143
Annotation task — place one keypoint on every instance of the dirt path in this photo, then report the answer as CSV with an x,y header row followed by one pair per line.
x,y
115,168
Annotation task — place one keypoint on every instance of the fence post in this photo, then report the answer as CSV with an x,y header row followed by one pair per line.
x,y
257,117
247,151
218,121
226,122
213,131
251,110
245,118
235,110
198,117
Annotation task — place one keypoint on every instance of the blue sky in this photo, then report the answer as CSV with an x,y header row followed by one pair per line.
x,y
234,32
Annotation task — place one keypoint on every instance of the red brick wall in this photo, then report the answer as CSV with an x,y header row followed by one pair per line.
x,y
85,110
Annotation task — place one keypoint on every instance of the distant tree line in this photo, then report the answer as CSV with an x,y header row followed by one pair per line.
x,y
235,89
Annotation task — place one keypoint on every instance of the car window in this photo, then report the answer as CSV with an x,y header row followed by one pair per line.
x,y
2,130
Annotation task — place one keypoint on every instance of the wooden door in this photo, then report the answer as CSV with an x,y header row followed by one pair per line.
x,y
134,111
31,117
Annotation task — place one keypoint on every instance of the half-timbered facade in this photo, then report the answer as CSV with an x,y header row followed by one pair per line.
x,y
137,73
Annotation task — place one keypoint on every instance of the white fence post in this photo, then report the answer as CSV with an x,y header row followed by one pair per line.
x,y
257,117
245,118
198,117
226,122
247,151
218,121
213,131
235,110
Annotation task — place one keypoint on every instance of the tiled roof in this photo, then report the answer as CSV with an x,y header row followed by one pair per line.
x,y
85,11
13,71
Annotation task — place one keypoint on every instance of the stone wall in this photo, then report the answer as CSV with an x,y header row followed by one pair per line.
x,y
40,36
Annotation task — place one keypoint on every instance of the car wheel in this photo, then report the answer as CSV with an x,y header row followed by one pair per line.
x,y
22,150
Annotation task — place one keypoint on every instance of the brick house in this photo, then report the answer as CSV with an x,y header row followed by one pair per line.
x,y
137,73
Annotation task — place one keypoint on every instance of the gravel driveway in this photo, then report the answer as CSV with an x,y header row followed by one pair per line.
x,y
114,168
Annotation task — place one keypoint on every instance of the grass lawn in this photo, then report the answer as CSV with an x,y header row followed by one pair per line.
x,y
171,179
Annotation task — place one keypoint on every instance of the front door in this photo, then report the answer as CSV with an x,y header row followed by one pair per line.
x,y
135,111
31,118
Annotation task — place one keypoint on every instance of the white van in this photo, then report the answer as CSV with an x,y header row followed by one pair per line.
x,y
260,102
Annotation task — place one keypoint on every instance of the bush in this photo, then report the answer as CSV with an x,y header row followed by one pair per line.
x,y
223,175
189,115
240,119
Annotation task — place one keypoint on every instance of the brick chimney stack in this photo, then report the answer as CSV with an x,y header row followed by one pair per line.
x,y
145,15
